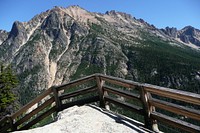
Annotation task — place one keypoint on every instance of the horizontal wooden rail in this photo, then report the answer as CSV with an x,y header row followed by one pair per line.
x,y
81,102
175,122
100,93
131,107
177,109
125,94
79,92
29,105
39,118
35,111
119,81
76,82
174,94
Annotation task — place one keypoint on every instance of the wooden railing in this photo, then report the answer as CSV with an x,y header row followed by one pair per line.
x,y
148,101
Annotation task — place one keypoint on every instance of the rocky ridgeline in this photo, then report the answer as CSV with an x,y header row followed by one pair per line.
x,y
188,35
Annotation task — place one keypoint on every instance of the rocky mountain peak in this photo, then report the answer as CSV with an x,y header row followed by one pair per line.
x,y
3,32
189,30
112,12
77,13
190,35
63,44
172,32
75,7
17,29
116,14
188,27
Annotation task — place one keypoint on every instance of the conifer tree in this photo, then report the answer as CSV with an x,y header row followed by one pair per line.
x,y
8,81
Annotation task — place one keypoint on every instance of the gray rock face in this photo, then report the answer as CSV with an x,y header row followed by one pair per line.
x,y
63,44
3,36
172,32
188,34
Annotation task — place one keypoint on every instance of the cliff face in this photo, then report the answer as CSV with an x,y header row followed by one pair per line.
x,y
63,44
3,36
188,35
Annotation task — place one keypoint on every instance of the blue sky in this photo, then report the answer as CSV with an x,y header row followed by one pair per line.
x,y
161,13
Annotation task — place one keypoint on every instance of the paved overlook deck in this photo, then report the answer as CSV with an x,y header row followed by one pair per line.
x,y
145,102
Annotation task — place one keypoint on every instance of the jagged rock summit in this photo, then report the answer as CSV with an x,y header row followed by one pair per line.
x,y
87,119
188,35
63,44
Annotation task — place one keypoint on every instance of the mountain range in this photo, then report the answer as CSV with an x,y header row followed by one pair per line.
x,y
63,44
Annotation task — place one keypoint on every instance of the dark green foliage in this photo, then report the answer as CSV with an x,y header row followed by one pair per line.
x,y
8,82
175,67
27,93
85,68
97,28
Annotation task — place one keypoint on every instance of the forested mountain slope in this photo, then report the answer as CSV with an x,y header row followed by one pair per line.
x,y
63,44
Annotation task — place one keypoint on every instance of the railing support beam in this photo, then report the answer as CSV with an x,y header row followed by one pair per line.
x,y
148,109
12,125
100,91
57,100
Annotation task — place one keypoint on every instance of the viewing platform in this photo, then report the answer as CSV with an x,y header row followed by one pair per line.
x,y
153,106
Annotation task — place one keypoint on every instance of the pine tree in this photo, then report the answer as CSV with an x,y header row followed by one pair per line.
x,y
8,81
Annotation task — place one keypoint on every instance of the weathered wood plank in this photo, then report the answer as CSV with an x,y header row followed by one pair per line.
x,y
176,123
150,123
12,126
131,107
177,109
35,111
81,102
100,91
167,92
146,107
78,92
30,104
57,99
76,82
119,81
123,93
145,89
39,118
174,94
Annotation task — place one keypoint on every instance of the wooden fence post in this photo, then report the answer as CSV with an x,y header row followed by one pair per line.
x,y
106,103
100,90
12,126
11,123
148,109
57,100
